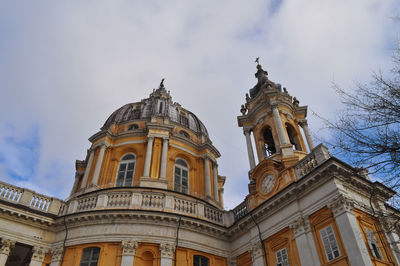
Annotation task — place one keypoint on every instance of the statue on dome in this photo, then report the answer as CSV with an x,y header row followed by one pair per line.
x,y
262,77
162,84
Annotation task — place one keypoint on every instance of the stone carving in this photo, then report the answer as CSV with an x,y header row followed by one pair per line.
x,y
56,253
296,102
340,205
167,250
256,250
232,261
6,246
300,226
129,247
39,252
243,109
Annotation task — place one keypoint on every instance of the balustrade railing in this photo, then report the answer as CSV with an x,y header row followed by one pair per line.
x,y
240,211
315,158
29,198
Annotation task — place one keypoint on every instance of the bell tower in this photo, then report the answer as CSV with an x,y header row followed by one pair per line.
x,y
273,119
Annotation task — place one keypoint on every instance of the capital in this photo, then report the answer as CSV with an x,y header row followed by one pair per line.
x,y
274,105
167,250
300,226
340,205
303,123
129,247
56,253
256,250
6,246
39,252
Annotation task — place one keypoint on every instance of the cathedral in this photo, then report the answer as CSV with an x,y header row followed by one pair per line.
x,y
149,193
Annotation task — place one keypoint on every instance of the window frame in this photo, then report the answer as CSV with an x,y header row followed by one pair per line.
x,y
181,168
332,233
283,262
200,262
127,162
90,260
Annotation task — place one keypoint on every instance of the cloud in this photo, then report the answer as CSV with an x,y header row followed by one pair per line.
x,y
66,66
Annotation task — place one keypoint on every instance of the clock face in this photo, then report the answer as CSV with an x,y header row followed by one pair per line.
x,y
268,183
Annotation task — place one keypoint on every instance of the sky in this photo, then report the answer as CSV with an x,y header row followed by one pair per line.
x,y
65,66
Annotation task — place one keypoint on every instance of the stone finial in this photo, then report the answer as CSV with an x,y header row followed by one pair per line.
x,y
167,250
243,109
162,83
295,102
129,247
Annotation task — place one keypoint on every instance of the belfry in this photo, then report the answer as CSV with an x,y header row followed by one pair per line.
x,y
149,193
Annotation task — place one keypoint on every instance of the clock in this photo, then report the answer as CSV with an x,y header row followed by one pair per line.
x,y
268,183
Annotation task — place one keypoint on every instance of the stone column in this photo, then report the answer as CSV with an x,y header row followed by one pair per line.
x,y
250,152
167,252
78,175
353,241
221,199
56,255
282,134
38,255
305,241
164,159
99,162
304,126
128,252
5,249
215,180
88,167
147,161
207,178
257,255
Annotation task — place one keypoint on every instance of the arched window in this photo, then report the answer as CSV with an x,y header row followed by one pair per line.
x,y
126,170
293,138
90,256
133,127
269,144
199,260
181,179
184,134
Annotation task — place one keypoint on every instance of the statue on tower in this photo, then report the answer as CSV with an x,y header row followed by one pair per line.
x,y
262,77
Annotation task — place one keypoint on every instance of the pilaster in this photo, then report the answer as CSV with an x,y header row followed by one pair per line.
x,y
166,253
305,241
250,152
207,178
88,167
5,249
128,252
56,255
257,255
39,252
342,209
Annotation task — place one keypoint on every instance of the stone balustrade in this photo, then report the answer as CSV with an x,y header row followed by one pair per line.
x,y
315,158
240,211
30,199
135,198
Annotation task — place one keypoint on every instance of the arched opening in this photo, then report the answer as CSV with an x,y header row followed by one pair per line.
x,y
293,137
147,258
181,176
126,170
269,144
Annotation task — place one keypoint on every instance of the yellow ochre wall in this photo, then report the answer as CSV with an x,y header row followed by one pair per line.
x,y
110,254
185,257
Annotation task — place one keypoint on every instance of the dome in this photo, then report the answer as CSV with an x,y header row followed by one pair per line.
x,y
159,104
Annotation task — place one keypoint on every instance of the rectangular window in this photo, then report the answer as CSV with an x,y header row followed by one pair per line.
x,y
330,244
373,244
184,121
282,258
90,256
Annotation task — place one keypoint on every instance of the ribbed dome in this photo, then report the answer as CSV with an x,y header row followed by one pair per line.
x,y
159,104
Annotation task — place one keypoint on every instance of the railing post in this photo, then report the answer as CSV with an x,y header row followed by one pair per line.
x,y
55,206
26,197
